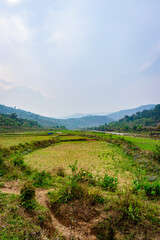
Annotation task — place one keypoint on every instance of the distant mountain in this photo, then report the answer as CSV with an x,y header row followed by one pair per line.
x,y
120,114
84,122
71,123
80,115
76,115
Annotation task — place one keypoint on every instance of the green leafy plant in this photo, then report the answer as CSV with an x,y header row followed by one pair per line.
x,y
74,167
42,179
109,183
152,189
27,196
84,176
18,160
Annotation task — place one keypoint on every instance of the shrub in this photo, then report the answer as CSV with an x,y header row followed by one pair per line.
x,y
42,179
69,192
1,159
152,189
109,183
74,167
18,160
60,171
27,195
129,207
156,154
84,176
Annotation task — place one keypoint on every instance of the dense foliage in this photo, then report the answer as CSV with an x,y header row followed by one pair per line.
x,y
137,122
12,121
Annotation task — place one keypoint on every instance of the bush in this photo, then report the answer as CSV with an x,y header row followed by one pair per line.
x,y
152,189
69,192
84,176
27,195
60,171
42,179
18,160
1,159
109,183
156,154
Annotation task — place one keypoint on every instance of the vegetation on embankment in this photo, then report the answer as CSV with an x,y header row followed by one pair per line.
x,y
111,192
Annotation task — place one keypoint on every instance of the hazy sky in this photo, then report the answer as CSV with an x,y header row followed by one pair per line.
x,y
60,57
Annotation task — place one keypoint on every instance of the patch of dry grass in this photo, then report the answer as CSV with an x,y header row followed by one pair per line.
x,y
99,157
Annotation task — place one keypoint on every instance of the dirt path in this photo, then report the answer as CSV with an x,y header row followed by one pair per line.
x,y
80,232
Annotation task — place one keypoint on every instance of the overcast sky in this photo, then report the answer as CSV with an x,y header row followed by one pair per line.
x,y
59,57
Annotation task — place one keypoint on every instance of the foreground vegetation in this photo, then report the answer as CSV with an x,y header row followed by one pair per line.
x,y
79,185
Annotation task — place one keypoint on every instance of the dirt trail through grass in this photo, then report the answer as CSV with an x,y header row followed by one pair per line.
x,y
81,231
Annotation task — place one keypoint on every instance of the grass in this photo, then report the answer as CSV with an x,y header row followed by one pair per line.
x,y
13,140
82,172
147,144
99,157
15,224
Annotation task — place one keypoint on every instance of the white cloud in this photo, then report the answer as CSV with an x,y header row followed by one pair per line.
x,y
5,85
12,2
13,29
46,95
153,57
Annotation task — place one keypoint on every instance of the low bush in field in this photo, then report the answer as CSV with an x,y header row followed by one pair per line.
x,y
27,195
152,189
109,183
18,160
42,179
59,171
84,176
1,159
75,191
156,153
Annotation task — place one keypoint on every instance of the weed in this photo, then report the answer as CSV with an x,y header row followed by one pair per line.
x,y
84,176
1,159
60,171
28,196
18,160
109,183
74,167
152,189
42,179
156,153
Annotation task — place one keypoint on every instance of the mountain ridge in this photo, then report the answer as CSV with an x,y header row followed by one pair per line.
x,y
71,123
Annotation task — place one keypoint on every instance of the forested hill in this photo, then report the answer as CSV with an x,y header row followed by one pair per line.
x,y
120,114
12,121
71,123
138,121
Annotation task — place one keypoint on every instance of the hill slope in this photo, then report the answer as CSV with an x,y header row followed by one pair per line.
x,y
72,123
11,121
144,119
120,114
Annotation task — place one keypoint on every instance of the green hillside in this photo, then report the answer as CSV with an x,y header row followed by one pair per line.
x,y
11,121
147,119
72,123
120,114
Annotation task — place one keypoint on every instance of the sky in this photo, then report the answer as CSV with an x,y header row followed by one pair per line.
x,y
59,57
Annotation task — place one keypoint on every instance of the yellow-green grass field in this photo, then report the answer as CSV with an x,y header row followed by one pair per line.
x,y
13,140
144,143
97,156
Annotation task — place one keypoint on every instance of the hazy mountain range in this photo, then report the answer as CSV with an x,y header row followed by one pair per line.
x,y
76,122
